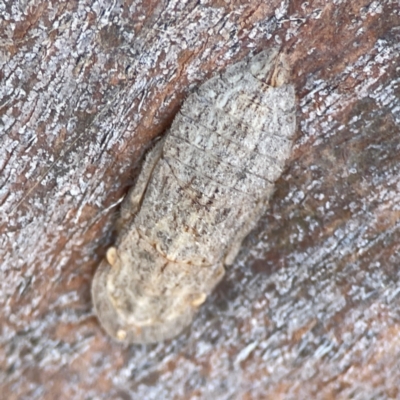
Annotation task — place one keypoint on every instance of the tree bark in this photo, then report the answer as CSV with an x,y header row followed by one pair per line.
x,y
311,307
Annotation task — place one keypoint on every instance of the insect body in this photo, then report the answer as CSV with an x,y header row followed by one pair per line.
x,y
201,190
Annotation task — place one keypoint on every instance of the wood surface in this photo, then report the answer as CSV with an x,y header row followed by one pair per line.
x,y
310,309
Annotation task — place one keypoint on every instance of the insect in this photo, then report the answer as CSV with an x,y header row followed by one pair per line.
x,y
202,188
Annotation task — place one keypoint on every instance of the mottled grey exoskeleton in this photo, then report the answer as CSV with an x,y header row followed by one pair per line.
x,y
201,190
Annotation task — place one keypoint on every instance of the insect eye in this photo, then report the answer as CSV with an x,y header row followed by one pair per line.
x,y
112,256
197,299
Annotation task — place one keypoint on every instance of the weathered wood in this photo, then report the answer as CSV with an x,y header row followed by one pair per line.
x,y
310,308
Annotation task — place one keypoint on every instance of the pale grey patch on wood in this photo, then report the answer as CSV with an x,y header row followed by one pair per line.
x,y
201,190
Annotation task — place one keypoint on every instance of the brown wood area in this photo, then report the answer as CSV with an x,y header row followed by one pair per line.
x,y
310,309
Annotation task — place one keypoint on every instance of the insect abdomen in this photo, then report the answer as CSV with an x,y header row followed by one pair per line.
x,y
220,159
